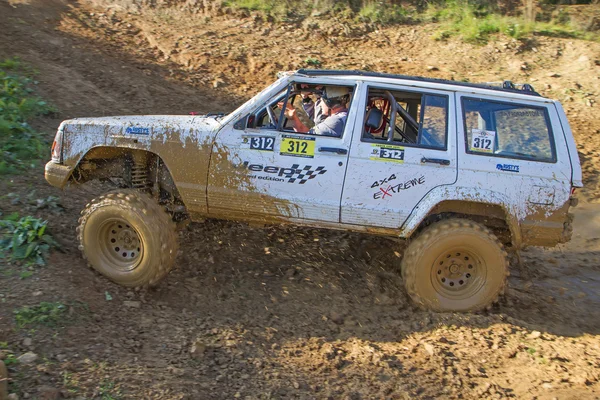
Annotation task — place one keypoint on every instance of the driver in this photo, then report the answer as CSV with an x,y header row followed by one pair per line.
x,y
334,105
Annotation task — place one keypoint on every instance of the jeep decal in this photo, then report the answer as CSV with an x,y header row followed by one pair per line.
x,y
292,174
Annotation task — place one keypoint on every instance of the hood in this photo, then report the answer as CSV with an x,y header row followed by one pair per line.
x,y
142,124
144,132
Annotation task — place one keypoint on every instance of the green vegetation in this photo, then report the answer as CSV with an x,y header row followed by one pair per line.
x,y
10,359
475,24
45,313
381,13
20,145
473,21
108,391
25,240
313,62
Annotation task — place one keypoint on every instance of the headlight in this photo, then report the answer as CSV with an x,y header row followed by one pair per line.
x,y
57,145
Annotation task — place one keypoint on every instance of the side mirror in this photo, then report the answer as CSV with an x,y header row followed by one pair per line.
x,y
241,123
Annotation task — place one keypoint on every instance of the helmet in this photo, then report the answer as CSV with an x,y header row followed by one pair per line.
x,y
333,95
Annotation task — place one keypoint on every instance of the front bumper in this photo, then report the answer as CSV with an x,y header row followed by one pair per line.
x,y
57,174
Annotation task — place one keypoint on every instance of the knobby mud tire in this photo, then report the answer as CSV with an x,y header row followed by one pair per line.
x,y
155,229
424,258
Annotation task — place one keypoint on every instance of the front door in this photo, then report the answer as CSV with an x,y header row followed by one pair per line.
x,y
404,146
263,170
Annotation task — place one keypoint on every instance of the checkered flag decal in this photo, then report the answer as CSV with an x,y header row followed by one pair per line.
x,y
303,175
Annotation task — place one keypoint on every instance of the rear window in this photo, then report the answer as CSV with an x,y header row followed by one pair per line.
x,y
508,130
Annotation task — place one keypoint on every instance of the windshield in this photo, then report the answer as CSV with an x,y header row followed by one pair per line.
x,y
262,96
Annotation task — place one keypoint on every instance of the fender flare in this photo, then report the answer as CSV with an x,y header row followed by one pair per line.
x,y
442,194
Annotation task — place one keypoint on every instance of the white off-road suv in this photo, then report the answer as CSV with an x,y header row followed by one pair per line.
x,y
461,170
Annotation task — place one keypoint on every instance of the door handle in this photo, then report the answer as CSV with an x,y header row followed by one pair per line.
x,y
435,161
336,150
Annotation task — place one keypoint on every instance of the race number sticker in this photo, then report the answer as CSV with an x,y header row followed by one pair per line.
x,y
262,143
297,146
386,152
482,141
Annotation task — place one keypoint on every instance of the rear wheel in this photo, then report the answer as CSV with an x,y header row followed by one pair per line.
x,y
455,265
128,237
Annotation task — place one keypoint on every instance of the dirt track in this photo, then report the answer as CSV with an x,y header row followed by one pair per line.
x,y
283,312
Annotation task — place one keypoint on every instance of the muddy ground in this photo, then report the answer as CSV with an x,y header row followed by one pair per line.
x,y
283,312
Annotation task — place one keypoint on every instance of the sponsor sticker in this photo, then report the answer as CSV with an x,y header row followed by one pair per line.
x,y
294,174
507,167
388,190
136,130
386,152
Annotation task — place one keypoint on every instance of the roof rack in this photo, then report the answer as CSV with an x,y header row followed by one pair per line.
x,y
506,86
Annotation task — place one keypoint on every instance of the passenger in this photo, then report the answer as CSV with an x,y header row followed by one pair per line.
x,y
314,109
334,103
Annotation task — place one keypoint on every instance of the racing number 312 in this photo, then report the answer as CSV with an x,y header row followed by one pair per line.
x,y
297,147
262,143
481,143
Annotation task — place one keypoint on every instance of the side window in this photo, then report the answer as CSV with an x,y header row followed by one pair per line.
x,y
418,119
508,130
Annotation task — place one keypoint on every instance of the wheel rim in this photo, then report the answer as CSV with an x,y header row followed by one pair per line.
x,y
458,274
120,244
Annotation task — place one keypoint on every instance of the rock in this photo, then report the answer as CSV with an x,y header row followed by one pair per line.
x,y
27,342
61,357
48,393
336,318
12,396
197,350
28,358
3,381
132,304
432,68
534,335
429,349
553,75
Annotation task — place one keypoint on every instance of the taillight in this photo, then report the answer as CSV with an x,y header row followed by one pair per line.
x,y
573,191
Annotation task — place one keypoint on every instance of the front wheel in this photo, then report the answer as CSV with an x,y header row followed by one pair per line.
x,y
455,265
128,237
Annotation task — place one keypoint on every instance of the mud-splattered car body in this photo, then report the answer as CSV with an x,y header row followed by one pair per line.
x,y
228,167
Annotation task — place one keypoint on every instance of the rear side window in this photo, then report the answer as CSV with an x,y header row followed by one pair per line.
x,y
508,130
417,119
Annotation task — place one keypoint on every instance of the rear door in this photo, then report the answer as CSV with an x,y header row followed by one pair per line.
x,y
388,176
516,148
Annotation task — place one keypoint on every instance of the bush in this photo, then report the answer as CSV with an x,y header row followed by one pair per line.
x,y
20,146
25,240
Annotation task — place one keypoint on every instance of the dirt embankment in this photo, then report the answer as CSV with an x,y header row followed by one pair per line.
x,y
284,312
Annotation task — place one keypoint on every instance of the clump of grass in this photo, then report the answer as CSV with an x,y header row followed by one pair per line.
x,y
381,12
45,313
313,62
20,145
252,5
25,240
